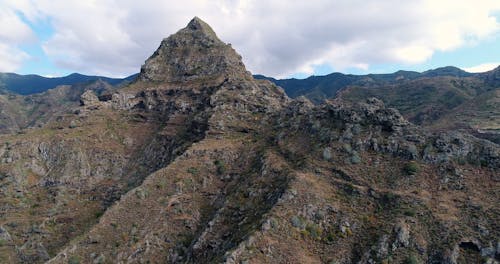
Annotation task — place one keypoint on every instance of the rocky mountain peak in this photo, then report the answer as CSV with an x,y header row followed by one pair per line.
x,y
198,25
193,52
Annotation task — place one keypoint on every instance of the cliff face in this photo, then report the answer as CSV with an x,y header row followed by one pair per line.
x,y
198,162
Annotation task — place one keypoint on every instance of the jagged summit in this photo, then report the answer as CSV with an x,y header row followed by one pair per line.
x,y
196,24
193,52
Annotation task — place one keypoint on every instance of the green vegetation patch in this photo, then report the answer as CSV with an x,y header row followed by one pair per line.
x,y
220,166
411,168
74,260
193,170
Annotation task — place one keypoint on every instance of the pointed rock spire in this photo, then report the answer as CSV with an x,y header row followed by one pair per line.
x,y
193,52
196,24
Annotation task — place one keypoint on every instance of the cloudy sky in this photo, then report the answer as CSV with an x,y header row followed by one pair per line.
x,y
280,38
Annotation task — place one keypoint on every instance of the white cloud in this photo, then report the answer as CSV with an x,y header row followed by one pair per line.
x,y
13,32
11,58
275,37
12,29
482,67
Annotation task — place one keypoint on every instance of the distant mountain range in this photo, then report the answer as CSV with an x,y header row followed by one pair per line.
x,y
440,99
316,88
30,84
319,88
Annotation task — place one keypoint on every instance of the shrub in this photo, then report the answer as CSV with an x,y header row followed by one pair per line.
x,y
314,230
298,222
330,237
355,158
74,260
412,259
461,160
98,214
193,170
141,193
411,168
221,167
410,212
347,148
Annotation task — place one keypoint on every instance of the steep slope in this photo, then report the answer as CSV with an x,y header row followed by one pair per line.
x,y
315,88
439,103
176,60
57,180
319,88
492,77
198,162
422,100
443,99
278,181
18,112
11,113
479,116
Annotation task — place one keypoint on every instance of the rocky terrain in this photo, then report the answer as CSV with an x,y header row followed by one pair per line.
x,y
442,99
198,162
19,112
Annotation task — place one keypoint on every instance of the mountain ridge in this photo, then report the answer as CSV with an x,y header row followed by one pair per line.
x,y
32,83
445,98
312,82
214,166
74,78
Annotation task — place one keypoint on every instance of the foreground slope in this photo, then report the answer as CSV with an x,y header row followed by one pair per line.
x,y
279,181
198,162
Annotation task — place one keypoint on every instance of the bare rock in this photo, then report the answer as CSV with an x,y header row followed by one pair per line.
x,y
89,98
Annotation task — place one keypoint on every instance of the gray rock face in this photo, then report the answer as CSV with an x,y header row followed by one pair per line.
x,y
122,100
89,98
193,52
447,146
4,235
403,234
327,154
370,126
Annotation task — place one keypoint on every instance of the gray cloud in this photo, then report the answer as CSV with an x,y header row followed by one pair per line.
x,y
276,38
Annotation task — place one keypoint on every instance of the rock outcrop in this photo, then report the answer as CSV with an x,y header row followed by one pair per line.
x,y
191,53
